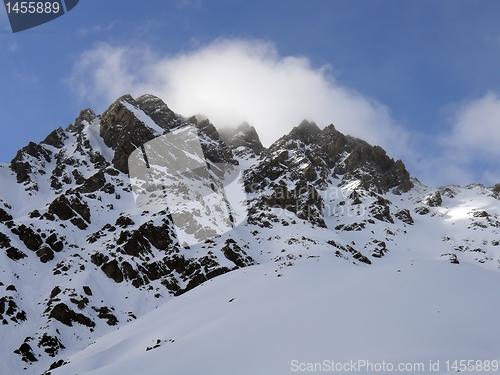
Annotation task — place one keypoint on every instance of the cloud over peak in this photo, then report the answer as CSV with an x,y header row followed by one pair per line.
x,y
234,80
231,81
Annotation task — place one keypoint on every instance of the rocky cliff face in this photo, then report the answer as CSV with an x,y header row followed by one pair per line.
x,y
79,258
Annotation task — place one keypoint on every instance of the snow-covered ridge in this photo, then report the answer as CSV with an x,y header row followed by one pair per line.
x,y
334,226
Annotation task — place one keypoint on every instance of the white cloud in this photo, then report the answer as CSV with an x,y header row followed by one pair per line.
x,y
468,152
476,131
472,147
231,81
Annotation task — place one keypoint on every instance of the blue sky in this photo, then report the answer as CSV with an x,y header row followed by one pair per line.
x,y
420,78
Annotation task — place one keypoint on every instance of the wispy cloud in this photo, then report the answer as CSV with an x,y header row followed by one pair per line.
x,y
231,81
26,77
474,139
476,128
468,151
95,29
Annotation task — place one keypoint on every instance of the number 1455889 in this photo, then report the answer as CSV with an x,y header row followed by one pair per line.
x,y
33,7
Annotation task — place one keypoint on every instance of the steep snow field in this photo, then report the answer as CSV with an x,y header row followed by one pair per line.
x,y
252,322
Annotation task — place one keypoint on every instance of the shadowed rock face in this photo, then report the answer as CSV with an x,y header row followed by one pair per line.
x,y
123,132
350,157
308,157
22,167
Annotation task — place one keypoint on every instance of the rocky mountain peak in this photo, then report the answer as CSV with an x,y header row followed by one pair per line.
x,y
86,116
351,158
158,111
306,132
244,136
123,131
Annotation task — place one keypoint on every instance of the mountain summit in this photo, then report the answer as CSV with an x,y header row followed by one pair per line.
x,y
89,278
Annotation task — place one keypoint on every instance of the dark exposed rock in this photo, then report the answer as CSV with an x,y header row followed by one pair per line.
x,y
61,207
86,115
356,197
422,210
9,307
134,243
28,236
62,313
113,271
48,216
171,284
4,241
236,254
55,292
480,214
22,167
45,254
380,210
56,138
79,223
160,237
124,221
54,243
87,290
348,248
123,132
405,216
98,258
94,182
105,313
156,270
158,111
433,199
495,190
380,249
384,172
80,303
307,156
4,215
66,208
129,273
51,345
362,258
207,128
448,191
66,316
351,227
11,287
453,258
304,201
34,214
306,132
55,365
15,254
26,353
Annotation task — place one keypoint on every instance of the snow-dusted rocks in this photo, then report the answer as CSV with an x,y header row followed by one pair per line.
x,y
331,222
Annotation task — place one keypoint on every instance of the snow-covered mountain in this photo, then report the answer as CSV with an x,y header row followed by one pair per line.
x,y
339,255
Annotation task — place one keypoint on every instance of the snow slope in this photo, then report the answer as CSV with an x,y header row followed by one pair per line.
x,y
252,322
